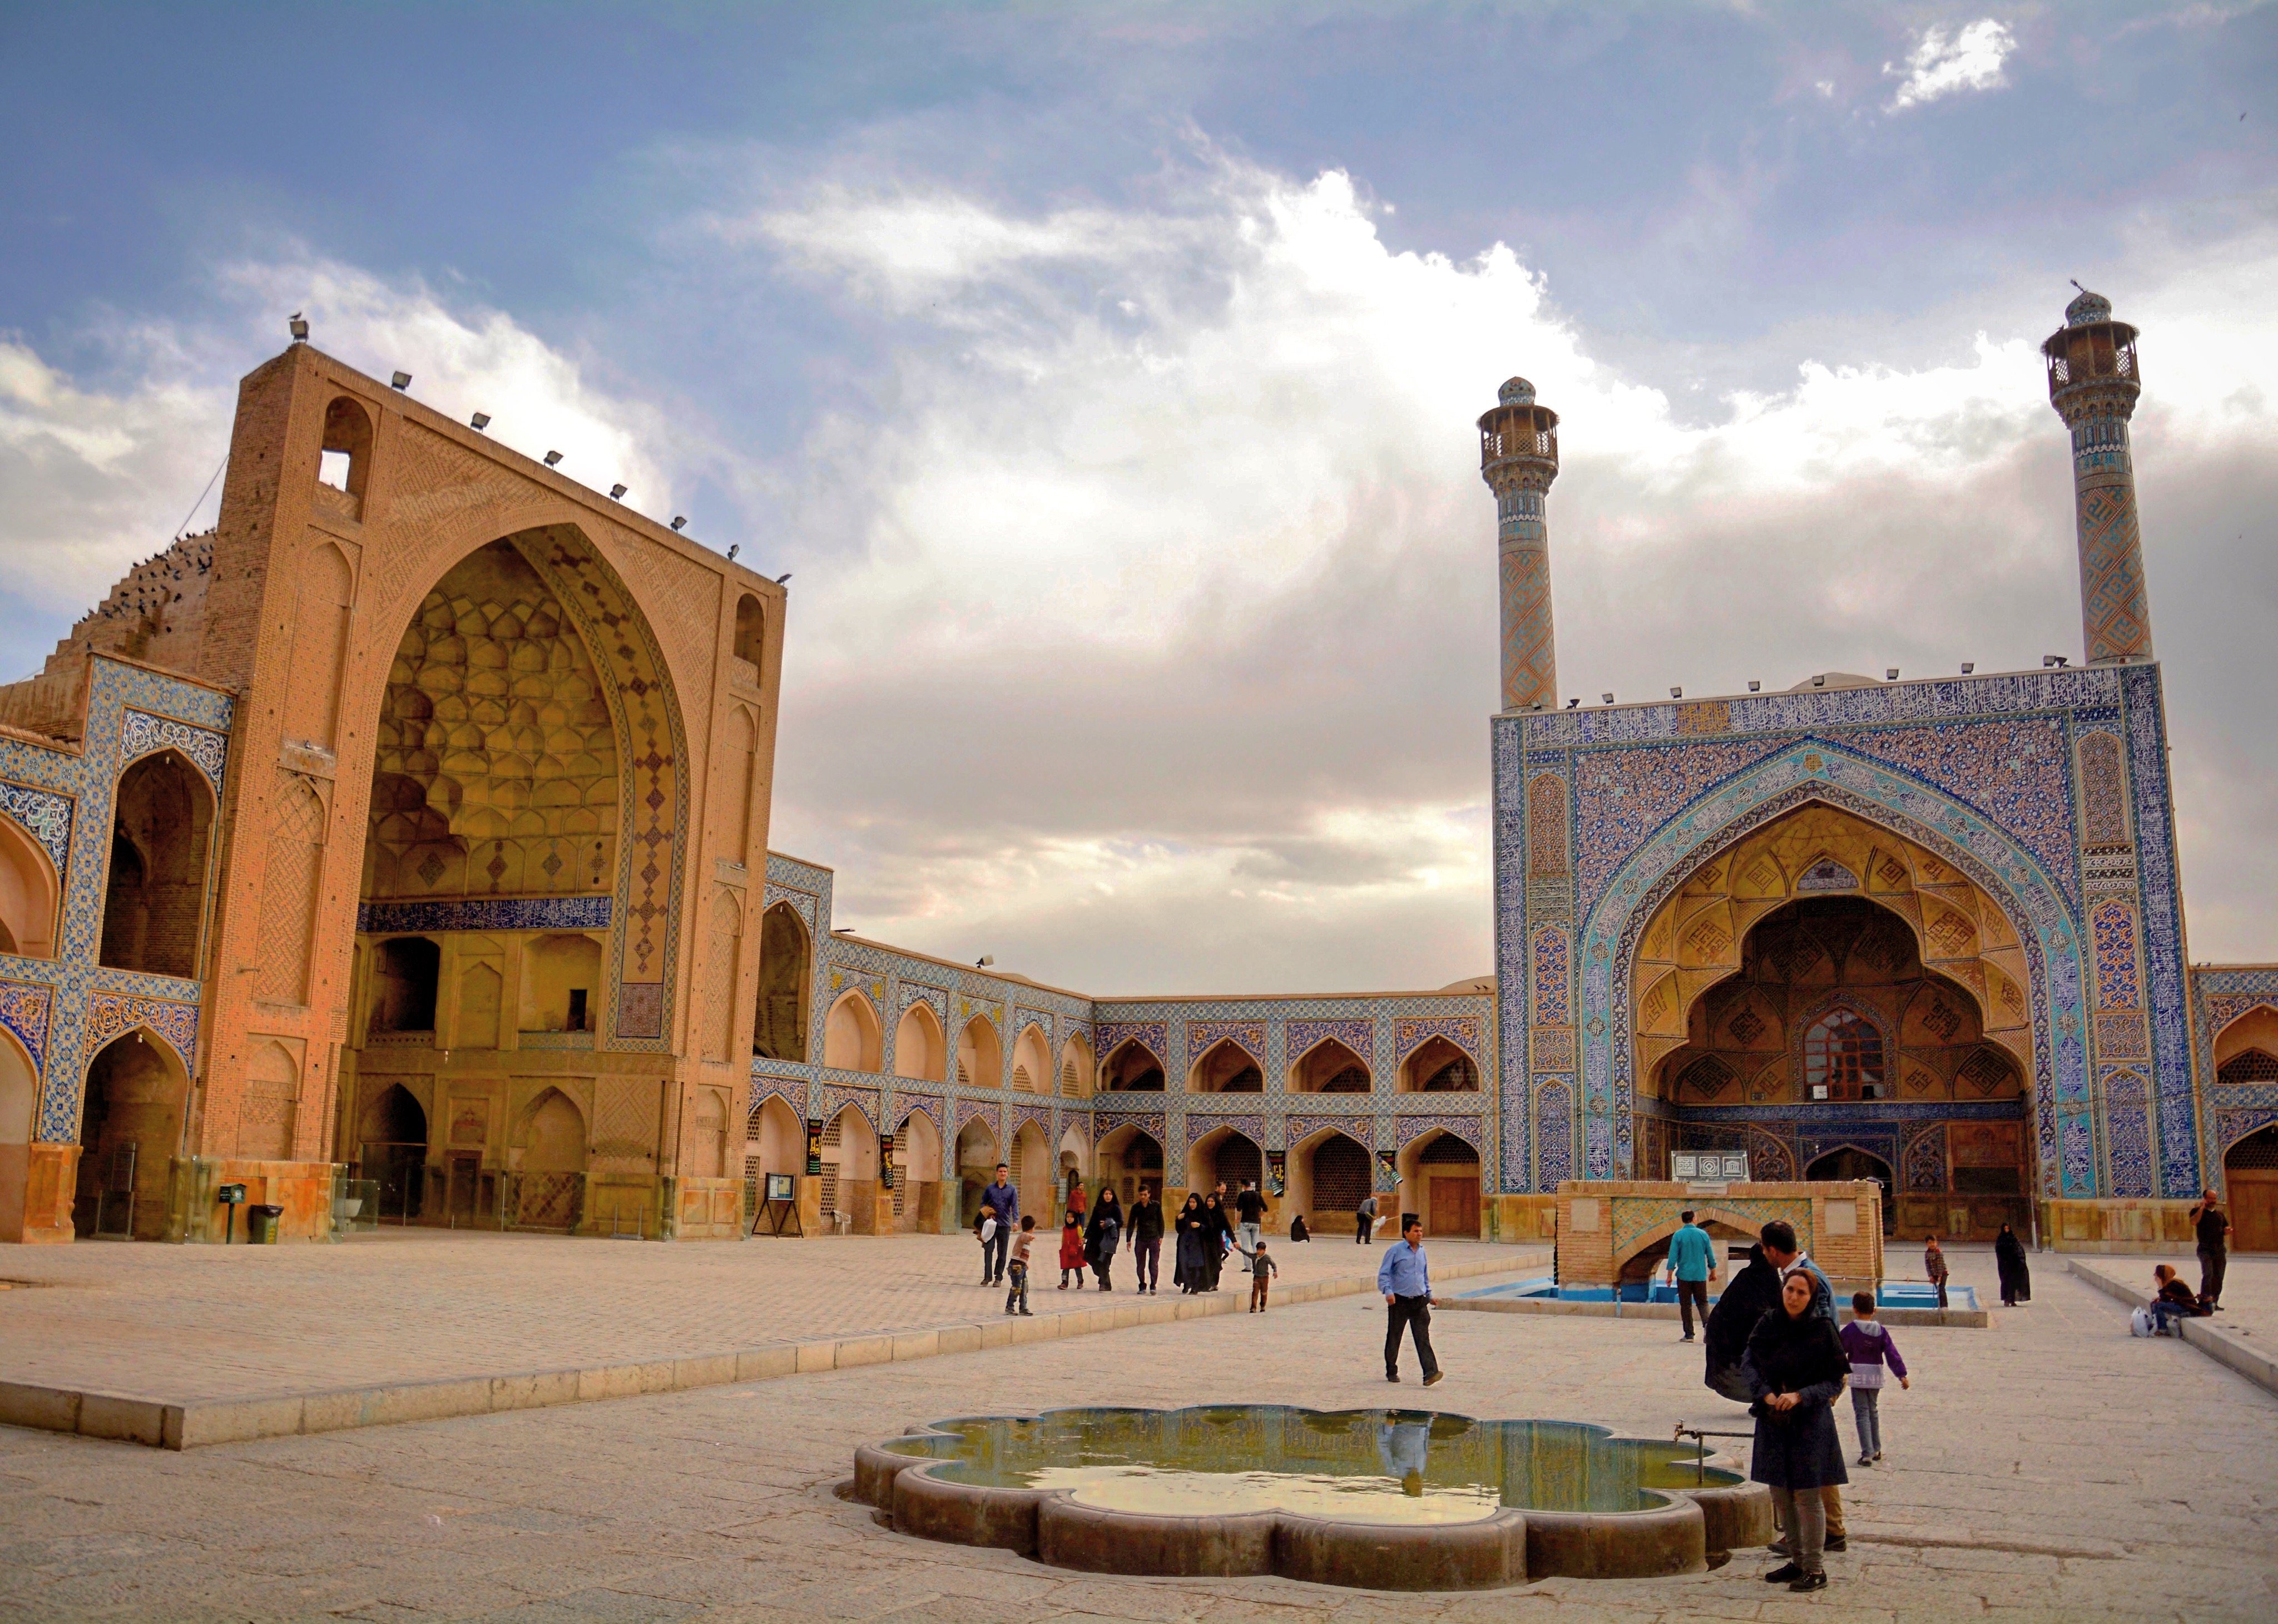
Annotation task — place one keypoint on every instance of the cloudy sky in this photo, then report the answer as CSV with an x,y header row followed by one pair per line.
x,y
1106,375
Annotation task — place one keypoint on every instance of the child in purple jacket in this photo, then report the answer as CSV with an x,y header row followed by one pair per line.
x,y
1870,1348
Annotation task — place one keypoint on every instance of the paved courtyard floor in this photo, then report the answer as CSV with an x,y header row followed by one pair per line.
x,y
2048,1467
414,1305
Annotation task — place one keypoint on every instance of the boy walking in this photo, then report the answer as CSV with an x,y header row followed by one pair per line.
x,y
1262,1271
1870,1350
1018,1268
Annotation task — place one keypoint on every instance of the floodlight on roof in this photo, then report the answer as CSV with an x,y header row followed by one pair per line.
x,y
616,492
679,522
552,458
1755,684
1676,692
2057,660
1608,698
1890,673
480,421
399,381
783,577
984,961
1571,703
298,326
1968,666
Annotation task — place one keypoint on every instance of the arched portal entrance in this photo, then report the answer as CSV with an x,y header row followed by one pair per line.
x,y
1439,1179
917,1175
1850,1162
130,1130
1826,987
1224,1156
976,1167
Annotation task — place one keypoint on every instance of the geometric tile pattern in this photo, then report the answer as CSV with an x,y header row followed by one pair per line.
x,y
45,815
141,733
24,1011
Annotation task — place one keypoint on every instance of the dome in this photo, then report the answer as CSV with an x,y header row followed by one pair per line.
x,y
2088,308
1517,392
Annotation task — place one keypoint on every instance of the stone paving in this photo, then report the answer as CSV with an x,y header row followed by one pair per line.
x,y
2050,1466
414,1305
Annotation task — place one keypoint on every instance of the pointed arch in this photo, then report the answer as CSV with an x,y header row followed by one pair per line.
x,y
1330,1066
1032,1065
154,895
1132,1067
322,602
1227,1068
1076,1068
980,1057
1956,834
130,1129
921,1054
850,1040
29,894
786,965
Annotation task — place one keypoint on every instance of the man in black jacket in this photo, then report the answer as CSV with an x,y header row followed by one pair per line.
x,y
1147,1237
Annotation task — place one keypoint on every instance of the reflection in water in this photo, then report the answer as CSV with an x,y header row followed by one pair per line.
x,y
1348,1465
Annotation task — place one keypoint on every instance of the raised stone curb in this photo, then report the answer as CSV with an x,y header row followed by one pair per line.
x,y
1971,1319
194,1423
2225,1348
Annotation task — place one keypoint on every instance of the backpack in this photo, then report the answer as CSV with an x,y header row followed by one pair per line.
x,y
2140,1323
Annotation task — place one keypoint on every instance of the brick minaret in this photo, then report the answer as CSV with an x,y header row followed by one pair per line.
x,y
1518,458
2093,383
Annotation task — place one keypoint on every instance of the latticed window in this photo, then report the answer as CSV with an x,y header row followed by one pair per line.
x,y
2253,1066
1842,1053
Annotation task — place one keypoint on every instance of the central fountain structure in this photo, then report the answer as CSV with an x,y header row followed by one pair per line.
x,y
1378,1499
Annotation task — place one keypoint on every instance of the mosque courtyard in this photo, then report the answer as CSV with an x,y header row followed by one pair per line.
x,y
2049,1466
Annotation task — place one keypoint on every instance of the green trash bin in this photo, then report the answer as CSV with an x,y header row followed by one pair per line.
x,y
261,1223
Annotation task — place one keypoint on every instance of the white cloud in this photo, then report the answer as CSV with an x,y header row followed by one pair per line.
x,y
100,474
1942,65
1127,641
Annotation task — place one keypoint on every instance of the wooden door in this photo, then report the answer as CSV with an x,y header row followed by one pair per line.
x,y
2253,1208
1455,1211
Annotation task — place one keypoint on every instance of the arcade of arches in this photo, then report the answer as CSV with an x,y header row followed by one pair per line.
x,y
1839,1003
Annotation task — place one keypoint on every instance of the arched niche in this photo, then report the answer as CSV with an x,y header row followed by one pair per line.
x,y
1228,1156
549,1147
1134,1067
919,1052
1032,1066
1129,1158
2249,1173
344,461
850,1170
561,983
130,1130
752,634
1227,1068
19,1105
1330,1174
708,1134
917,1175
779,1031
850,1040
1438,1067
154,894
977,1157
1076,1068
775,1142
2246,1049
29,894
979,1056
1329,1067
391,1150
1032,1169
405,971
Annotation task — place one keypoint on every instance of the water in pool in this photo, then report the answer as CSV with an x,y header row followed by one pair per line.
x,y
1405,1467
1890,1294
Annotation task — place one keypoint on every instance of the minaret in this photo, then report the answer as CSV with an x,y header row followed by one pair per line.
x,y
2093,383
1518,458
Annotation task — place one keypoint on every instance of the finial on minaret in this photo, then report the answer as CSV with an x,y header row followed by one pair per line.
x,y
2093,383
1518,458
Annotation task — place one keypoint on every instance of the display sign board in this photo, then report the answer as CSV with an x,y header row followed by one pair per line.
x,y
1708,1167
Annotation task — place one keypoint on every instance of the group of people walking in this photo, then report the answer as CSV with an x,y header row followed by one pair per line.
x,y
1209,1228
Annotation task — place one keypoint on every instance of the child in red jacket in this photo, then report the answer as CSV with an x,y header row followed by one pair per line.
x,y
1071,1250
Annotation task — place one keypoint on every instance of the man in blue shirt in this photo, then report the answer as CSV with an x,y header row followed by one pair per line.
x,y
1692,1260
1405,1279
1004,1201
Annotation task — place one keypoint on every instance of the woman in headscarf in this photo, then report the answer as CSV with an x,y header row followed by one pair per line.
x,y
1187,1268
1934,1266
1103,1234
1216,1230
2009,1258
1752,1294
1795,1367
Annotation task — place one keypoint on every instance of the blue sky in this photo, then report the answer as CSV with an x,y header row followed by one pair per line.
x,y
1106,375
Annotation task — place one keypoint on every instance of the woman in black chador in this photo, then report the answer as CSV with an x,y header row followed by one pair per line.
x,y
2009,1258
1187,1269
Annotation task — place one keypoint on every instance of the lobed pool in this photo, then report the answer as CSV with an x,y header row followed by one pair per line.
x,y
1890,1294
